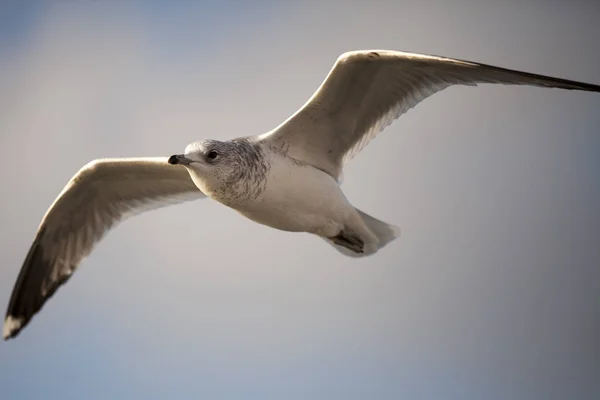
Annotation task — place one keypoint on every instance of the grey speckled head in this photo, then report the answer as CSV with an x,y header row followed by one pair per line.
x,y
231,171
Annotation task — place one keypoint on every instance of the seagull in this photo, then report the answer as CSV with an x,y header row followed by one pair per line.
x,y
288,178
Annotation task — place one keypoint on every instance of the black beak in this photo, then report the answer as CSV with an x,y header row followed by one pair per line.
x,y
178,159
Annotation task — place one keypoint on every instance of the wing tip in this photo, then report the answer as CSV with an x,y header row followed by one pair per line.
x,y
12,326
587,87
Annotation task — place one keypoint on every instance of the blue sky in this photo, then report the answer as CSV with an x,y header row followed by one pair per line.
x,y
490,292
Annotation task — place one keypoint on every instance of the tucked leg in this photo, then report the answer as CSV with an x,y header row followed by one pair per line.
x,y
348,240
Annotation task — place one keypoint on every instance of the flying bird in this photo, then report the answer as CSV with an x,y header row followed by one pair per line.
x,y
288,178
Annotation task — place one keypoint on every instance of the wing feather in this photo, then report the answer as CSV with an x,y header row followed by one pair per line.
x,y
367,90
102,194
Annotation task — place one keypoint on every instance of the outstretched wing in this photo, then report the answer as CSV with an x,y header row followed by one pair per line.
x,y
100,195
367,90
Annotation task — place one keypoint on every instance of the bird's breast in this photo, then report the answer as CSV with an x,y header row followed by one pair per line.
x,y
297,197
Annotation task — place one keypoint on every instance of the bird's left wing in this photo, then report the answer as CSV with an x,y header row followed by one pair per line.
x,y
367,90
102,194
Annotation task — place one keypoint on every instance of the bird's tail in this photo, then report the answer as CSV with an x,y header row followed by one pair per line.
x,y
384,232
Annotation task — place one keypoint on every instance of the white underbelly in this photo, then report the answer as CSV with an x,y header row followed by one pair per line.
x,y
299,199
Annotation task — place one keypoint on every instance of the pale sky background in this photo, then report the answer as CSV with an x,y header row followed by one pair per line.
x,y
490,293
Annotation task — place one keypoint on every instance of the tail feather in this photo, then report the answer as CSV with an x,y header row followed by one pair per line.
x,y
384,232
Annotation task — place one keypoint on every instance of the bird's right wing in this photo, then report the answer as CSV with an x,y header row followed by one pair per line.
x,y
100,195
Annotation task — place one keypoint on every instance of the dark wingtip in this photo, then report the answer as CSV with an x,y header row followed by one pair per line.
x,y
574,85
31,291
173,160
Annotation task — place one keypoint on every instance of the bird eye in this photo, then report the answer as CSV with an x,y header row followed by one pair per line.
x,y
212,154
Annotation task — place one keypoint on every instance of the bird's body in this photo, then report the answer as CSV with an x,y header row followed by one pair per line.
x,y
284,193
298,198
288,178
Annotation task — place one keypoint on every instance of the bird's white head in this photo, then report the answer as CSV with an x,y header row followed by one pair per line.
x,y
206,161
205,152
222,170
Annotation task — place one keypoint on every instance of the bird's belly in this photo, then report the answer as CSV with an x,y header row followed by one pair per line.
x,y
283,218
300,199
